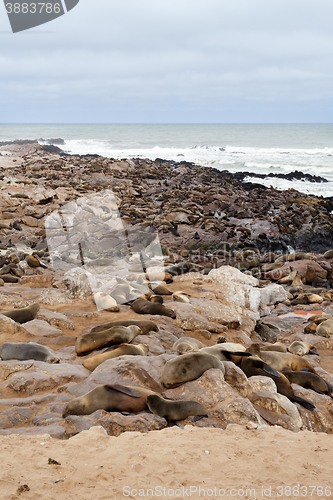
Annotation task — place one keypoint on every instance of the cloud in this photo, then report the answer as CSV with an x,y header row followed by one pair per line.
x,y
184,55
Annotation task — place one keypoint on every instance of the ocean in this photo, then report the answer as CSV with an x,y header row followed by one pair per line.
x,y
259,148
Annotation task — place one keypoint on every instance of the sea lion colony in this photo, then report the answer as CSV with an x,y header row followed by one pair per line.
x,y
209,231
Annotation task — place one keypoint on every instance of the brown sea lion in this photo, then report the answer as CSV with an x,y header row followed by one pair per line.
x,y
160,290
300,348
28,350
109,398
122,350
174,410
180,297
278,346
24,314
186,344
156,298
189,366
145,325
141,306
114,335
280,360
308,381
223,353
255,366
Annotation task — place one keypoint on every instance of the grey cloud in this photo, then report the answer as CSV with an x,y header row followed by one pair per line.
x,y
159,55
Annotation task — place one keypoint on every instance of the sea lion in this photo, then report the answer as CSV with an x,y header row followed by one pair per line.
x,y
145,325
301,348
160,289
174,410
280,360
32,261
156,298
24,314
159,276
189,366
141,306
28,350
278,346
105,302
9,278
122,350
308,381
180,297
325,329
222,353
109,398
186,344
114,335
255,366
182,268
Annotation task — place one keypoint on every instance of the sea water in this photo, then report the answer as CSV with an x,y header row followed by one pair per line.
x,y
258,148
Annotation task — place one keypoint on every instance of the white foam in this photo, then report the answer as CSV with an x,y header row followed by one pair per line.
x,y
316,161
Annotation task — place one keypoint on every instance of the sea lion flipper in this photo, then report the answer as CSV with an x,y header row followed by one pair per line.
x,y
124,390
313,351
306,369
303,402
266,368
199,417
238,353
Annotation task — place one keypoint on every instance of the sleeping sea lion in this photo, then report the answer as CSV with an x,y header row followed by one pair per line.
x,y
122,350
280,360
186,344
109,398
114,335
28,350
300,348
145,325
24,314
174,410
141,306
189,366
308,380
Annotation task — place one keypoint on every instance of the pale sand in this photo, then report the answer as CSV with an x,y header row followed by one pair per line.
x,y
97,466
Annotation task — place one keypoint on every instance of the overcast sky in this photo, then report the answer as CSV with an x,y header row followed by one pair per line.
x,y
175,61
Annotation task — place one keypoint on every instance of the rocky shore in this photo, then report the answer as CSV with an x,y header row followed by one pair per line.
x,y
256,265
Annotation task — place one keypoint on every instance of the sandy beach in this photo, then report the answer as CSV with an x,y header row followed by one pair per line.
x,y
171,463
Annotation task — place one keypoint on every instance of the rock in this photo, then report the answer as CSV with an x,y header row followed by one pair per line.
x,y
55,319
221,401
40,328
237,379
55,431
45,376
77,282
188,319
37,281
115,423
301,266
17,416
142,371
273,407
9,326
52,297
